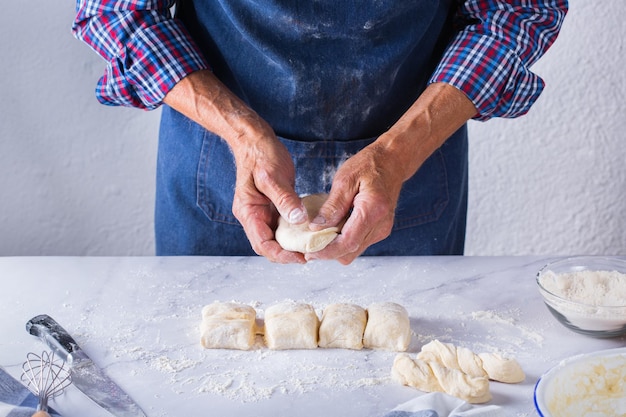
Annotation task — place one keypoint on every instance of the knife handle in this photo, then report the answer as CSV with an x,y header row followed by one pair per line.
x,y
55,336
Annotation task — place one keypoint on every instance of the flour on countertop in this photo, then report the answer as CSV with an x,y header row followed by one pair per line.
x,y
258,374
596,288
502,328
495,318
166,364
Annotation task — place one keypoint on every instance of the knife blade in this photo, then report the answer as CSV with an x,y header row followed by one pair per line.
x,y
86,376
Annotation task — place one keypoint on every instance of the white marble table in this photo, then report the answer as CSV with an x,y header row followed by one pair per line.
x,y
138,318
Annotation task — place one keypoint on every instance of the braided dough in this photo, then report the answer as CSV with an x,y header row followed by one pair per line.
x,y
455,370
388,327
432,377
291,325
343,326
228,326
298,237
488,365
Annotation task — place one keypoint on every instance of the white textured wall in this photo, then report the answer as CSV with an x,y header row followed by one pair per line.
x,y
554,181
77,178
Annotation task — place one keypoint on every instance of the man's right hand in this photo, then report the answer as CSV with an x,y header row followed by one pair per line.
x,y
264,186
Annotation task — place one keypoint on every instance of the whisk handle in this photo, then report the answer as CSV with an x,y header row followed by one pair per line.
x,y
55,336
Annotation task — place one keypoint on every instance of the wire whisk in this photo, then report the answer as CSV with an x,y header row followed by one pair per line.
x,y
46,377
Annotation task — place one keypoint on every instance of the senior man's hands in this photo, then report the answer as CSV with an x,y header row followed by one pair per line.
x,y
367,186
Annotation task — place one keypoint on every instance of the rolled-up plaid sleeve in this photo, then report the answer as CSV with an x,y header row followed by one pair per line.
x,y
146,50
490,56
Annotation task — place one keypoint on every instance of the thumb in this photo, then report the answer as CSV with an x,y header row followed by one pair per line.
x,y
333,212
288,205
277,184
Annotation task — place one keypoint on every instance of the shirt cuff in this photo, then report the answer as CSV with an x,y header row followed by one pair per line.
x,y
150,64
492,76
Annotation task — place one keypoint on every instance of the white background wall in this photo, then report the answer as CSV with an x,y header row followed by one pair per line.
x,y
77,178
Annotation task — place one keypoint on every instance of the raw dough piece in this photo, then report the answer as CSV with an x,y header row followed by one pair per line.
x,y
291,325
228,326
432,377
502,369
388,327
488,365
343,326
298,237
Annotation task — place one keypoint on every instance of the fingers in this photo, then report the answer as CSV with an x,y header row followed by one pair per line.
x,y
264,244
273,175
368,189
257,220
370,222
335,209
264,190
283,196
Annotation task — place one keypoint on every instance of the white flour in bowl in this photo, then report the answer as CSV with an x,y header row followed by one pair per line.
x,y
596,288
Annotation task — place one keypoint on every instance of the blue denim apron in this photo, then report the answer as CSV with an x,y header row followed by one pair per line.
x,y
329,76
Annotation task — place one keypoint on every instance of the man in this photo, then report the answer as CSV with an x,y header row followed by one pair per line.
x,y
272,99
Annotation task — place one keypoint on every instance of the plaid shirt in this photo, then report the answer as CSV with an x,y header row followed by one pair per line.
x,y
148,51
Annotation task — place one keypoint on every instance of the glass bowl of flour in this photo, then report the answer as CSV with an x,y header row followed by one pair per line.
x,y
586,294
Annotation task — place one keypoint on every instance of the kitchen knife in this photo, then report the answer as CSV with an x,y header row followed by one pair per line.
x,y
86,376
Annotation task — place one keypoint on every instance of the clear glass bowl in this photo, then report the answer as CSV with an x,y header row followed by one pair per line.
x,y
585,318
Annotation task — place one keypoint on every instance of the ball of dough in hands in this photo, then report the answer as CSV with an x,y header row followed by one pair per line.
x,y
489,365
433,377
388,327
291,325
342,326
228,326
298,237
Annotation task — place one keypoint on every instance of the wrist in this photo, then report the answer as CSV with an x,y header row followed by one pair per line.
x,y
430,121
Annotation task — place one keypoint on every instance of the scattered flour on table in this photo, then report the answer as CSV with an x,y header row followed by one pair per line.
x,y
495,318
258,374
501,332
166,364
597,288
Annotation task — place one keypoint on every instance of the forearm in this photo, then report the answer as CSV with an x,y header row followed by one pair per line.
x,y
265,172
434,117
204,99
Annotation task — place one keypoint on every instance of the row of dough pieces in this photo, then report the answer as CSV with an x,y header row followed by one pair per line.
x,y
438,366
457,371
291,325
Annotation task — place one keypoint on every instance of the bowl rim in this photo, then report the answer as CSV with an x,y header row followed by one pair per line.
x,y
581,259
540,387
